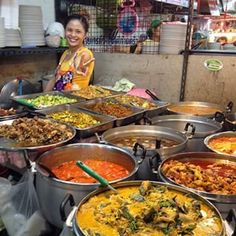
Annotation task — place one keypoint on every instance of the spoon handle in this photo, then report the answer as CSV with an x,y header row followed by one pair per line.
x,y
92,173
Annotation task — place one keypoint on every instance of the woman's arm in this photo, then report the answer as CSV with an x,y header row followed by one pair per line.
x,y
50,84
83,63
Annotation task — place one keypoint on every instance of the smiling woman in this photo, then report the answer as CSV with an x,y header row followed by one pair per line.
x,y
77,63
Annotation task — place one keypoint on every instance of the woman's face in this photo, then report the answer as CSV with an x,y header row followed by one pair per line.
x,y
75,33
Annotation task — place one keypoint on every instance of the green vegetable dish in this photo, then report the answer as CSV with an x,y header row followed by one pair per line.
x,y
47,100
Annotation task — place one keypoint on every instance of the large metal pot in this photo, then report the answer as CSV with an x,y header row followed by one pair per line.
x,y
205,109
157,132
223,202
196,128
79,232
51,191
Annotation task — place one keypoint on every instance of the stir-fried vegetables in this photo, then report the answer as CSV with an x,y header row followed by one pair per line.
x,y
49,100
76,119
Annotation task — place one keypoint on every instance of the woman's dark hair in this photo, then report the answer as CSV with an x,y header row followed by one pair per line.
x,y
83,20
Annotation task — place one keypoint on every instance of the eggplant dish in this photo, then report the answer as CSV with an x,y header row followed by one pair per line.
x,y
202,175
148,209
223,144
29,132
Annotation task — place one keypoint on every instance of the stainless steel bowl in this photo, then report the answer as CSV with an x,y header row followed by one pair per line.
x,y
218,135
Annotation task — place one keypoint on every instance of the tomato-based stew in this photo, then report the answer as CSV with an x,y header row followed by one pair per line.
x,y
69,171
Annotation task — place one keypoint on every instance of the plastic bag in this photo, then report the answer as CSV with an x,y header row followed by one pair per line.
x,y
19,209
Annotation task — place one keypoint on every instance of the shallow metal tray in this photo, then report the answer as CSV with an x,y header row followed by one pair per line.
x,y
23,99
160,106
113,93
19,111
135,116
7,144
107,122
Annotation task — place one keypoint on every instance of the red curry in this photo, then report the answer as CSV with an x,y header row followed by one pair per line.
x,y
69,171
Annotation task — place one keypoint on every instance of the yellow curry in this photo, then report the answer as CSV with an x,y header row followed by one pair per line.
x,y
147,210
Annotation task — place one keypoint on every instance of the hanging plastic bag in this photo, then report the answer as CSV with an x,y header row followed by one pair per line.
x,y
20,209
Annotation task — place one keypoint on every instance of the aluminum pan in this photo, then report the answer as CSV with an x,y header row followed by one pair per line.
x,y
204,126
195,104
113,93
19,111
179,189
145,130
11,145
135,116
22,99
214,157
221,134
107,122
160,106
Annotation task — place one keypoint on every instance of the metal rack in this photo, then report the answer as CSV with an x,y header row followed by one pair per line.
x,y
29,51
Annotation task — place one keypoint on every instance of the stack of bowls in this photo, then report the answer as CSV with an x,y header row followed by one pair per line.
x,y
172,39
31,25
13,38
2,33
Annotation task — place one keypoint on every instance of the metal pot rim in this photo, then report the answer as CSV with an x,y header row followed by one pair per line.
x,y
191,119
209,196
148,128
196,103
226,133
78,145
181,189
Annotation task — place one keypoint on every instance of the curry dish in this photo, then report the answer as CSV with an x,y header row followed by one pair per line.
x,y
223,144
69,171
112,109
194,110
147,210
207,176
149,142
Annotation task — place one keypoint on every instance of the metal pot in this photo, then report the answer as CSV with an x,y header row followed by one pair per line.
x,y
219,135
158,133
205,109
78,231
228,120
223,202
201,128
51,191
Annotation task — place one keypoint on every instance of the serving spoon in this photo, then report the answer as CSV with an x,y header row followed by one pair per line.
x,y
95,175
